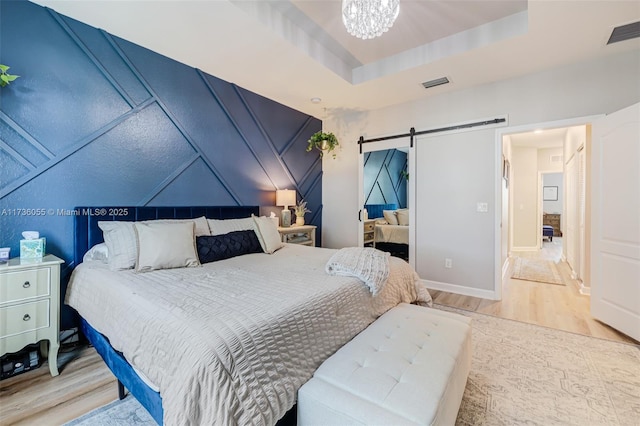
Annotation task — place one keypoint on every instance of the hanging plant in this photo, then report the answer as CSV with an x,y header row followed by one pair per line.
x,y
323,142
6,78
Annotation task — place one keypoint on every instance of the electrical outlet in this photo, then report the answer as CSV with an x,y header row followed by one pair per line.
x,y
448,263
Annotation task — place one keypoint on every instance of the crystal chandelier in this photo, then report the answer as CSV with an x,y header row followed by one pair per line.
x,y
369,18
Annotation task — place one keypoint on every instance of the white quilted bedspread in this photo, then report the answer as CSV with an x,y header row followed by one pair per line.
x,y
231,342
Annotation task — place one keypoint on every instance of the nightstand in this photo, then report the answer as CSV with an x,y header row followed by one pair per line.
x,y
303,234
369,232
30,305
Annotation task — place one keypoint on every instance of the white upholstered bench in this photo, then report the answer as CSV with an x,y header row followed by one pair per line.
x,y
409,367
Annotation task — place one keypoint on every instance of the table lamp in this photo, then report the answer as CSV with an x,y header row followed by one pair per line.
x,y
285,198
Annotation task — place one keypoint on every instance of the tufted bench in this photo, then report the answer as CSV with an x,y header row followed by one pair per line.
x,y
409,367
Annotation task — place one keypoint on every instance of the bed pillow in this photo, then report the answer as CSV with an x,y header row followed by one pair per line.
x,y
224,226
390,217
120,239
201,224
99,253
212,248
165,245
267,233
403,217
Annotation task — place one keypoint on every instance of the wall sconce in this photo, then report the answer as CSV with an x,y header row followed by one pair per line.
x,y
286,198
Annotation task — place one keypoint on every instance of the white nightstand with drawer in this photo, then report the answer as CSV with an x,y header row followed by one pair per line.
x,y
298,234
29,306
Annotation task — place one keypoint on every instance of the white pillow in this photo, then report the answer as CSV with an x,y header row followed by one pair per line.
x,y
267,233
99,252
202,226
164,245
224,226
403,217
390,217
120,239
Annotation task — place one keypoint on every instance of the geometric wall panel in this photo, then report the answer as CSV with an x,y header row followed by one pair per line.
x,y
384,180
97,120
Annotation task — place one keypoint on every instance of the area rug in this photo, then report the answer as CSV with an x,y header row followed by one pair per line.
x,y
539,270
521,374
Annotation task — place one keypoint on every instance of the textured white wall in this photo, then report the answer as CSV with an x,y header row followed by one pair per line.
x,y
577,90
553,179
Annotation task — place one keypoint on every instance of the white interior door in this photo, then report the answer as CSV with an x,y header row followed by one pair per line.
x,y
615,236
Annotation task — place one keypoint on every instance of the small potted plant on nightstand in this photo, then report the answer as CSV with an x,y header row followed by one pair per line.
x,y
300,211
323,142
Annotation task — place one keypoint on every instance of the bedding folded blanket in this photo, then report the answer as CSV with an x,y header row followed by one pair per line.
x,y
366,263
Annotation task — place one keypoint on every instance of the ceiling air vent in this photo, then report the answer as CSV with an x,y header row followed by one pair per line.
x,y
436,82
625,32
555,158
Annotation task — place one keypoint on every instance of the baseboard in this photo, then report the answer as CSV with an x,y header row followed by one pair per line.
x,y
459,289
584,290
505,267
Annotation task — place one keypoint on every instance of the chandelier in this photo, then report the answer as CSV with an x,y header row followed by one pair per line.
x,y
367,19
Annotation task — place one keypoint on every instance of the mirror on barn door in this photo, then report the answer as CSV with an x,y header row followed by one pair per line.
x,y
385,193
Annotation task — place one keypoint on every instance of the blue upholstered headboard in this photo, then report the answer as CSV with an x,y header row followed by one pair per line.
x,y
87,234
374,211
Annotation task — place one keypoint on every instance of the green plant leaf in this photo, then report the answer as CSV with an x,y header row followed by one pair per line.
x,y
11,77
4,68
5,78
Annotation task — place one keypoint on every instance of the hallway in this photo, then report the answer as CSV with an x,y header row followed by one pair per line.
x,y
556,306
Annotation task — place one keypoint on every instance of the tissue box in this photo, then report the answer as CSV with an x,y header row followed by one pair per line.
x,y
32,249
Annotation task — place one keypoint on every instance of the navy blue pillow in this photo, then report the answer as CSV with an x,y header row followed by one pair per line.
x,y
219,247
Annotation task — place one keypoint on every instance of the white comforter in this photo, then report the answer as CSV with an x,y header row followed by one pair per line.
x,y
231,342
392,234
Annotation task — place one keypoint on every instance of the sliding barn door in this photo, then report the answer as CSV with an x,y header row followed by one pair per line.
x,y
615,244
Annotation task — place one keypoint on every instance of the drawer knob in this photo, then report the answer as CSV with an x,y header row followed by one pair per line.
x,y
26,317
26,284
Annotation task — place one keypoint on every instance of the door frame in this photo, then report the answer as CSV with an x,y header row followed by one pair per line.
x,y
499,220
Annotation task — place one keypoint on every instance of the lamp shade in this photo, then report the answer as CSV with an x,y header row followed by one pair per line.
x,y
285,197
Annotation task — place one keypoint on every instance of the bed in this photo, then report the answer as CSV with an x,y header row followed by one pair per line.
x,y
391,233
228,342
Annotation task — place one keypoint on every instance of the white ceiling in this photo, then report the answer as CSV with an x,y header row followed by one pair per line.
x,y
543,138
292,51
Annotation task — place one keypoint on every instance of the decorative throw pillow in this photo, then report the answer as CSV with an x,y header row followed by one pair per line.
x,y
390,217
212,248
267,233
224,226
164,245
120,239
403,217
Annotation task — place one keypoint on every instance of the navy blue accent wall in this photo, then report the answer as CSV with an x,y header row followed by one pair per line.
x,y
383,177
97,120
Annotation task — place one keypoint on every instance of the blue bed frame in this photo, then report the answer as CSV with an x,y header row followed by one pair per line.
x,y
87,234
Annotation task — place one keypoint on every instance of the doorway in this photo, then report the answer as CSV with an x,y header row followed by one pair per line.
x,y
546,178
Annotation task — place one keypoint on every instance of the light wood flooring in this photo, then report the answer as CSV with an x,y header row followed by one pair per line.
x,y
36,398
560,307
85,383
